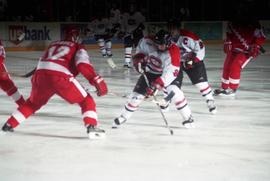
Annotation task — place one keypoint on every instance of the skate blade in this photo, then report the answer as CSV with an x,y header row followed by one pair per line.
x,y
213,111
189,125
115,126
96,136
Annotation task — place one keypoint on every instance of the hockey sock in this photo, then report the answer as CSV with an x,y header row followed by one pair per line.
x,y
128,54
101,45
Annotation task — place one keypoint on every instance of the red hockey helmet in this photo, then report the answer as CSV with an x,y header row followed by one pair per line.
x,y
72,34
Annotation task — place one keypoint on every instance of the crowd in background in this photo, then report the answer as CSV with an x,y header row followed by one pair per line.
x,y
153,10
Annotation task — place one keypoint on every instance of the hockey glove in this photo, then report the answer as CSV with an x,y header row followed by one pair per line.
x,y
158,84
190,59
254,50
139,62
100,85
227,47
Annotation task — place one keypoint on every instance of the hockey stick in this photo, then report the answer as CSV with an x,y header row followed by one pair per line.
x,y
245,64
156,102
29,74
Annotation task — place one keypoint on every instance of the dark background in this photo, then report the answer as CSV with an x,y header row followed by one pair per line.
x,y
153,10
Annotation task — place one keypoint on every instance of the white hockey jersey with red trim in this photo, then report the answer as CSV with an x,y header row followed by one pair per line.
x,y
169,59
99,26
190,42
131,22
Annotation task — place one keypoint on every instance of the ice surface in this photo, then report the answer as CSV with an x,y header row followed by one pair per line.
x,y
233,145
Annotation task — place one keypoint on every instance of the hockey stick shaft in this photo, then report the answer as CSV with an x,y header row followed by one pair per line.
x,y
155,99
246,62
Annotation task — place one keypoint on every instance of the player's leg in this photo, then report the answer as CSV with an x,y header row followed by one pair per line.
x,y
101,43
40,94
108,46
128,51
181,104
134,100
198,77
73,92
236,68
8,86
227,69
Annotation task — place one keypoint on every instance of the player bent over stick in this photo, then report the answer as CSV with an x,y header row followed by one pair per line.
x,y
55,74
159,60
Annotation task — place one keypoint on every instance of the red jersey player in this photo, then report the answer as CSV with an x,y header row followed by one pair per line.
x,y
6,83
55,74
243,42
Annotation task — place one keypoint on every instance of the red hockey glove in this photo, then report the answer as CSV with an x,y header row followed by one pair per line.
x,y
100,85
139,62
227,46
158,84
254,50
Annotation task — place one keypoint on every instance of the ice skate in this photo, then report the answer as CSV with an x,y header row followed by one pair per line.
x,y
6,128
127,65
211,106
95,133
188,123
118,121
224,92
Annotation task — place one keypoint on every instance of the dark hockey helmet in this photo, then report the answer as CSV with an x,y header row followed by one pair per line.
x,y
72,34
162,37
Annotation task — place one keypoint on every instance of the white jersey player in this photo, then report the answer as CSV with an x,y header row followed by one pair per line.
x,y
132,26
192,54
100,27
115,20
159,60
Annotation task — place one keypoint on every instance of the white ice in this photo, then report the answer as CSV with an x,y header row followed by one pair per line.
x,y
52,145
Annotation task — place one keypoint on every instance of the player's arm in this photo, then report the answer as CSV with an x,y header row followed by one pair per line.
x,y
2,53
256,47
87,70
171,67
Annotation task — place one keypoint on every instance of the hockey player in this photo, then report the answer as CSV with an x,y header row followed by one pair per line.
x,y
132,29
159,60
55,74
243,42
115,20
6,83
192,55
100,27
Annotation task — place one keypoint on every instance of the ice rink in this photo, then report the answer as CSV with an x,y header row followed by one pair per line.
x,y
52,145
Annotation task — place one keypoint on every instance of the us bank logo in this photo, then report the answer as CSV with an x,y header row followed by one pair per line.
x,y
31,34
